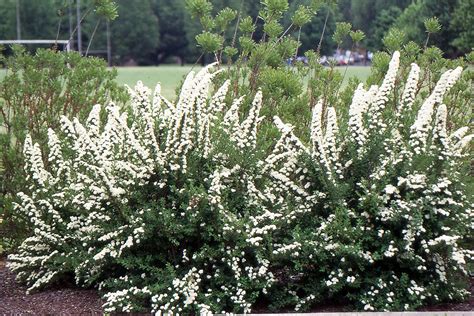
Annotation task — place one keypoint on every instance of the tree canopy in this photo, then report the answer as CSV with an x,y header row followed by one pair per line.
x,y
157,31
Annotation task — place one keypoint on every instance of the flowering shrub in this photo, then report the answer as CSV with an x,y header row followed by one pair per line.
x,y
372,210
176,208
133,206
36,90
431,60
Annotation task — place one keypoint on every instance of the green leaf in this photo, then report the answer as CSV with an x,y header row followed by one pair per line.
x,y
230,51
247,44
199,8
210,42
106,8
342,30
275,7
432,25
357,36
224,17
302,16
273,28
394,39
246,25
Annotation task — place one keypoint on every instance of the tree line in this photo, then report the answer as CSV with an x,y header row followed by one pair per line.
x,y
149,32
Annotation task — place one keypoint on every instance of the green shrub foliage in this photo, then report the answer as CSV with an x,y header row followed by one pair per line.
x,y
373,210
133,205
177,208
432,65
261,53
35,92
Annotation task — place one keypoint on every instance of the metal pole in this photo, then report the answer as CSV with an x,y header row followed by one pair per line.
x,y
79,36
109,46
18,20
71,26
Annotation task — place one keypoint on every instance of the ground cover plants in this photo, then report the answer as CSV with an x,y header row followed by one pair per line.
x,y
176,207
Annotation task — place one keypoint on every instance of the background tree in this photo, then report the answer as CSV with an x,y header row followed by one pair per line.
x,y
171,17
381,25
365,14
7,22
462,24
135,34
41,18
412,22
152,31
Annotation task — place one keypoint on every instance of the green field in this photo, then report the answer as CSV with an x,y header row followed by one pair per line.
x,y
170,76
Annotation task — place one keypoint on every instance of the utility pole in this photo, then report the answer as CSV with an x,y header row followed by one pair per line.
x,y
109,46
79,35
71,26
18,20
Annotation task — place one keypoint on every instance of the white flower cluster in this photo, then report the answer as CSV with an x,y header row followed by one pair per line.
x,y
120,300
81,202
393,189
382,95
244,133
423,123
184,290
361,196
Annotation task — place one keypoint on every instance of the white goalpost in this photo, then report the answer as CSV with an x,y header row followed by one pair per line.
x,y
64,43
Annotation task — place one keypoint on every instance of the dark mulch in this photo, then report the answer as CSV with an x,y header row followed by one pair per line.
x,y
462,306
63,301
69,300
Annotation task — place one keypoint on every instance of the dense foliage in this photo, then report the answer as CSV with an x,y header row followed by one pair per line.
x,y
36,90
166,30
178,208
263,53
377,212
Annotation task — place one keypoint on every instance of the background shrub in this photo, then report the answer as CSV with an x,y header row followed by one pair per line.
x,y
262,53
264,50
433,64
35,92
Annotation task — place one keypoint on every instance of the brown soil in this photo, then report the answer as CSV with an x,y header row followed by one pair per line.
x,y
64,301
73,301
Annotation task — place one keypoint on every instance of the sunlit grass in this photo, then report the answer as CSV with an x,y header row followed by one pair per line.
x,y
170,76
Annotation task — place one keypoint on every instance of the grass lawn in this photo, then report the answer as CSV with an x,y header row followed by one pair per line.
x,y
170,76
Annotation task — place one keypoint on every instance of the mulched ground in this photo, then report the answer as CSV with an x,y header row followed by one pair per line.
x,y
73,301
464,306
63,301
